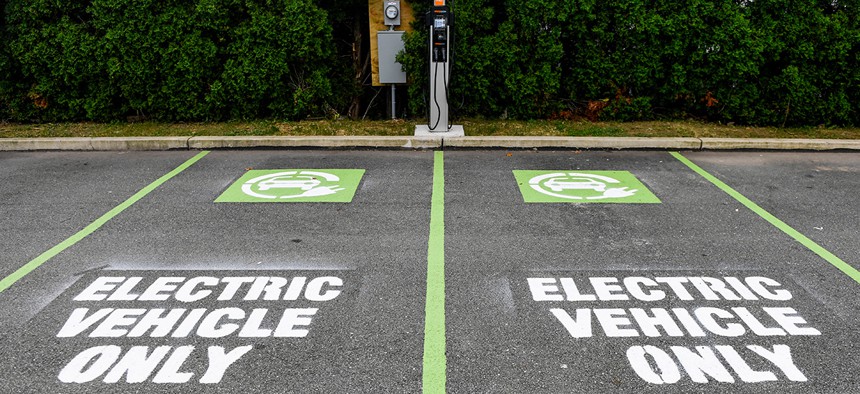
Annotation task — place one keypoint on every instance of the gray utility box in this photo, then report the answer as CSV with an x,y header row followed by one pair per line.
x,y
390,43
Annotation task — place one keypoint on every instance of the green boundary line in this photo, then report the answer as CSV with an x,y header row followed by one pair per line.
x,y
50,253
810,244
435,362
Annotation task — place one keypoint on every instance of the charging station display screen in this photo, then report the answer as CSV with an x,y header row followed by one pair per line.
x,y
440,23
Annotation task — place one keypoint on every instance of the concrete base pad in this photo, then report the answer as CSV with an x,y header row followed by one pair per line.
x,y
423,130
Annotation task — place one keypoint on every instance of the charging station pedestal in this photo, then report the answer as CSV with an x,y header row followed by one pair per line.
x,y
440,20
423,130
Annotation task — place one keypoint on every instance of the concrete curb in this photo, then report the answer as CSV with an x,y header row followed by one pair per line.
x,y
29,144
392,142
139,143
410,142
573,142
777,144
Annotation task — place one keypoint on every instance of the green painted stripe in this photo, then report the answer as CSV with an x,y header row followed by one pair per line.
x,y
435,362
810,244
50,253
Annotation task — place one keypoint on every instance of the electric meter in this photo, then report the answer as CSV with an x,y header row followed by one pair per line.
x,y
391,12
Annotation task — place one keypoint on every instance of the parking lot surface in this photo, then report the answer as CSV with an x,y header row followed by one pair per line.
x,y
402,271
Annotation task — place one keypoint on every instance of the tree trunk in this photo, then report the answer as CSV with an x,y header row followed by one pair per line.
x,y
358,69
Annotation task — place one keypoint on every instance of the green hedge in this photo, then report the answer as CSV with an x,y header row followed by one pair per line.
x,y
167,59
766,62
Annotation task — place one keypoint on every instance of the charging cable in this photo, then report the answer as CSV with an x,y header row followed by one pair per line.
x,y
435,100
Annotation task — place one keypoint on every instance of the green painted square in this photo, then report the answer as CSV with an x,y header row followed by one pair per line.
x,y
306,185
583,187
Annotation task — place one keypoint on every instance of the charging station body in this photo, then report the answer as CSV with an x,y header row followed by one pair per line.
x,y
440,21
439,77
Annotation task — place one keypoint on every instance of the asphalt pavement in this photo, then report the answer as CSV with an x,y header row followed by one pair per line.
x,y
322,270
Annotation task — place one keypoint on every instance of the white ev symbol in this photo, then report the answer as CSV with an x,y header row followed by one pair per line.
x,y
309,182
559,184
565,185
288,183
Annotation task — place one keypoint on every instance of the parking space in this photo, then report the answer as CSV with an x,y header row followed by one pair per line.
x,y
815,193
634,297
563,271
48,196
300,297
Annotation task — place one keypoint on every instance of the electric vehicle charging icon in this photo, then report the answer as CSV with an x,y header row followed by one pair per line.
x,y
292,184
579,186
303,184
574,183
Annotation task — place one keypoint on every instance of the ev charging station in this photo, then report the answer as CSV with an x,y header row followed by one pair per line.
x,y
440,21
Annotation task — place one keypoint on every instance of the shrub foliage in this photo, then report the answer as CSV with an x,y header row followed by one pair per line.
x,y
766,62
166,59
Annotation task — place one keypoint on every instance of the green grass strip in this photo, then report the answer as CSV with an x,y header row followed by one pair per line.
x,y
810,244
50,253
435,362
